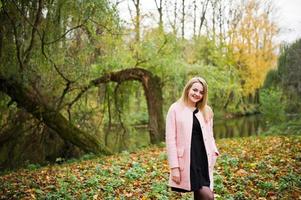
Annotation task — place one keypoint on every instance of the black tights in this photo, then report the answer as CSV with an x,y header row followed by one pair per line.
x,y
203,193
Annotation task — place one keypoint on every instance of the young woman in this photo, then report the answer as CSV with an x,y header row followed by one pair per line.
x,y
190,143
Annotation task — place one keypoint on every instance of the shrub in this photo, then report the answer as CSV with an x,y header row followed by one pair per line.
x,y
272,105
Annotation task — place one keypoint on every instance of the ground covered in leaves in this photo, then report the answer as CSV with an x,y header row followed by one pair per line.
x,y
257,167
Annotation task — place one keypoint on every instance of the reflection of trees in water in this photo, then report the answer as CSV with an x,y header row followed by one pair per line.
x,y
238,127
139,135
116,139
135,137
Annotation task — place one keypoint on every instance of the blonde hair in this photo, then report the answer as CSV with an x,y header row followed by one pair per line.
x,y
201,105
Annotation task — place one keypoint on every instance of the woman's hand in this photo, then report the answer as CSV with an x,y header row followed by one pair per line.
x,y
175,174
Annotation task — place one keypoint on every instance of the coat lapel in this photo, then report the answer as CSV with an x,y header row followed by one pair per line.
x,y
200,117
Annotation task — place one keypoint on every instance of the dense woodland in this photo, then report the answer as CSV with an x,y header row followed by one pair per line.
x,y
73,72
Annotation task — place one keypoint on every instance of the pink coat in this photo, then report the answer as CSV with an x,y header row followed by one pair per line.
x,y
178,141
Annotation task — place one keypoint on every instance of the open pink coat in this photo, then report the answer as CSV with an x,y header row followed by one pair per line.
x,y
178,141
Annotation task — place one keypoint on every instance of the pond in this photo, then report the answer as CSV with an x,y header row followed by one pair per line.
x,y
239,127
138,136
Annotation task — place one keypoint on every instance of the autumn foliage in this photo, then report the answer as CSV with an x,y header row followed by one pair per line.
x,y
251,39
260,167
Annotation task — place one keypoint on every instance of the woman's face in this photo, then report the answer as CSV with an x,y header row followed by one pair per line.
x,y
195,93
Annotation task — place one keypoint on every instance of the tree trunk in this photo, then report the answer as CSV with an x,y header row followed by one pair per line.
x,y
36,104
153,94
137,20
160,12
28,141
183,19
203,15
194,18
175,18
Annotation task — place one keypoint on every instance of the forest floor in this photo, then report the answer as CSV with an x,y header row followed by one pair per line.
x,y
257,167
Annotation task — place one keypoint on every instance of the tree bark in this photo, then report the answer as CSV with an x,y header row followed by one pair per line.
x,y
137,20
174,26
153,94
203,15
36,104
194,18
183,19
160,12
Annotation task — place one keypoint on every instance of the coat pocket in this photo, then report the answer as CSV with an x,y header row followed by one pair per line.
x,y
180,153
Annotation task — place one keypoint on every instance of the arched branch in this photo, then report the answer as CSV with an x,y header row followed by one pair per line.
x,y
152,90
37,104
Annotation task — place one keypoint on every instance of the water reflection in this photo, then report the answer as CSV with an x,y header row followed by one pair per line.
x,y
239,127
138,136
118,140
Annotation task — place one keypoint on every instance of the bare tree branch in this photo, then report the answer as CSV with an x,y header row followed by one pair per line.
x,y
203,15
68,82
17,42
34,31
106,28
183,19
118,2
132,73
64,34
160,8
26,19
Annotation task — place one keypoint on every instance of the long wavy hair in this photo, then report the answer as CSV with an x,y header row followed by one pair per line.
x,y
202,104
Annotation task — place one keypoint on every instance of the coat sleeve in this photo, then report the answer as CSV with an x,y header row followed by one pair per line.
x,y
211,132
170,138
213,140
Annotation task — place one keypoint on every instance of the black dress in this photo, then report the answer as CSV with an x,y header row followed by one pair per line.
x,y
199,174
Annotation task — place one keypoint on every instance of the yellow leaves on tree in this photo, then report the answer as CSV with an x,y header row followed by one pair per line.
x,y
251,38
